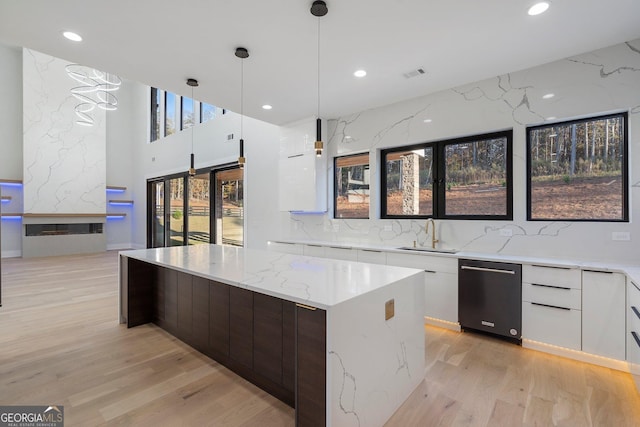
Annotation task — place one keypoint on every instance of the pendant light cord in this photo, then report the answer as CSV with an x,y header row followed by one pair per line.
x,y
241,96
318,68
193,117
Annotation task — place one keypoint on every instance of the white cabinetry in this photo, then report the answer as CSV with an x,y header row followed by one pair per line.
x,y
313,250
603,313
302,176
633,330
551,305
336,252
441,282
371,255
285,247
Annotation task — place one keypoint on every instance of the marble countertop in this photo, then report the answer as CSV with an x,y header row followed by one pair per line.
x,y
631,270
317,282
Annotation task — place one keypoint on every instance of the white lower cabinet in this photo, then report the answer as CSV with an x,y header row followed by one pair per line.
x,y
603,313
441,282
285,247
551,305
345,254
313,250
372,256
633,330
551,324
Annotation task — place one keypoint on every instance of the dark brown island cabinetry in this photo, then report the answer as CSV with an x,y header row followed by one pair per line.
x,y
278,345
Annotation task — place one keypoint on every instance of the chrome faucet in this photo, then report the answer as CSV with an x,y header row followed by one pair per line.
x,y
433,233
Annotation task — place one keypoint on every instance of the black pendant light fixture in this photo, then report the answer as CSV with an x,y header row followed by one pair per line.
x,y
241,53
192,83
319,9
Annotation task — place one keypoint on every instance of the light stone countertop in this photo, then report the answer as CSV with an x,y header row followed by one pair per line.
x,y
633,271
318,282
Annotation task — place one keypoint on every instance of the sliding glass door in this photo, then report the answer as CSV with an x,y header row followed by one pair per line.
x,y
180,208
229,207
199,203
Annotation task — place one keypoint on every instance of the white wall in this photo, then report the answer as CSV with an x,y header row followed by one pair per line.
x,y
594,83
11,145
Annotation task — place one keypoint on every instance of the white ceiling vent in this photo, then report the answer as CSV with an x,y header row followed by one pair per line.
x,y
415,73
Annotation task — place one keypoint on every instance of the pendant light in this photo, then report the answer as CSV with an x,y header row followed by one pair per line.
x,y
241,53
319,9
192,83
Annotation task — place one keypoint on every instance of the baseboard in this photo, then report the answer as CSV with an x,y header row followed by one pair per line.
x,y
11,254
119,246
452,326
619,365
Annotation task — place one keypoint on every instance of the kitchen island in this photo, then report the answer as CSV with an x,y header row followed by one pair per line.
x,y
340,341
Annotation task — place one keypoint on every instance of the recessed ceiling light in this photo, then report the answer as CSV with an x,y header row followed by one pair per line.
x,y
70,35
551,118
538,8
548,96
360,73
267,107
427,120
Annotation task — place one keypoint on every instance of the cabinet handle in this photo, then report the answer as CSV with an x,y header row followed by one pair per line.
x,y
490,270
635,286
340,247
635,337
550,306
314,246
635,310
599,271
430,271
295,155
550,286
551,266
371,250
306,307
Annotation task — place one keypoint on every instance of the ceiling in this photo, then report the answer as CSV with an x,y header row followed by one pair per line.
x,y
163,42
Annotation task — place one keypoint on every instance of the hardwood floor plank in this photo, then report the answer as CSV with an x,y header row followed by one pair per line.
x,y
60,343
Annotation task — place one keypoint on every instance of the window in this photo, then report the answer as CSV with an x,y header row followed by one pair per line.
x,y
155,114
188,116
577,170
229,203
170,113
207,112
463,178
351,186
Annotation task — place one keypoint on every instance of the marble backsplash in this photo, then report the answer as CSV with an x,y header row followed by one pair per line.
x,y
598,82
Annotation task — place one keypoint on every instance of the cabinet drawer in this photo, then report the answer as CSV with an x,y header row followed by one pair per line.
x,y
314,250
288,248
552,295
423,262
346,254
551,325
633,294
372,256
554,276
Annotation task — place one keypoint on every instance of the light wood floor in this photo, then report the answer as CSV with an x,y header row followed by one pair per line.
x,y
60,343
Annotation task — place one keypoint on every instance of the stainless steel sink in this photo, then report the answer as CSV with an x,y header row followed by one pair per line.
x,y
442,251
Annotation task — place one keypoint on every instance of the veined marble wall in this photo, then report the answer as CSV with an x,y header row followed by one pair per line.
x,y
602,81
64,163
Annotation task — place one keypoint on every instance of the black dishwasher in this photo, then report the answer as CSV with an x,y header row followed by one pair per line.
x,y
490,297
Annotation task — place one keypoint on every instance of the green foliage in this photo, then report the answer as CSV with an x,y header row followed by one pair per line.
x,y
177,214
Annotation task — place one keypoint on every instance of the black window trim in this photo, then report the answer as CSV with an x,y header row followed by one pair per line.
x,y
335,184
625,165
439,184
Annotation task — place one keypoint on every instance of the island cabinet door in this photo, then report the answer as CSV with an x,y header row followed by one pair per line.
x,y
164,283
200,318
241,326
218,321
140,278
185,307
267,337
311,351
170,301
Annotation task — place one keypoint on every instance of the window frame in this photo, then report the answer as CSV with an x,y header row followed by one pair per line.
x,y
625,165
335,184
439,182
